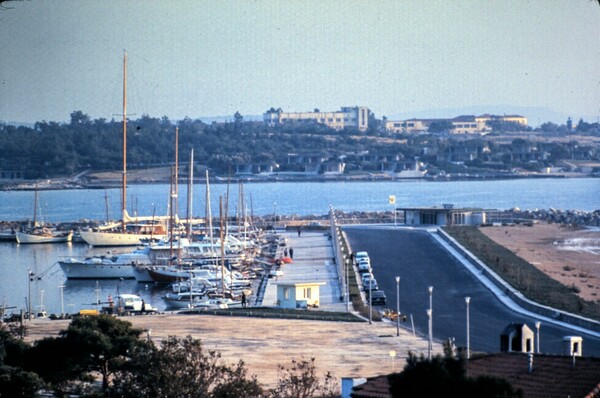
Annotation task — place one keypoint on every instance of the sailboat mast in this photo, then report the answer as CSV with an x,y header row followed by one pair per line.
x,y
35,205
177,169
190,195
124,187
222,235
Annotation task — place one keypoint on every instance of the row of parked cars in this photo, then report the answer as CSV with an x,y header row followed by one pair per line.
x,y
369,283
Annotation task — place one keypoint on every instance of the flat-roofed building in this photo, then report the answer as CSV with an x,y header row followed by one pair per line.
x,y
353,117
464,124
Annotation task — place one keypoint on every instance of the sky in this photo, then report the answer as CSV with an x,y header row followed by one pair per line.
x,y
207,58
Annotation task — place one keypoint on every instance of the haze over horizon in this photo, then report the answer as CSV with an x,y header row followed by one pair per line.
x,y
202,58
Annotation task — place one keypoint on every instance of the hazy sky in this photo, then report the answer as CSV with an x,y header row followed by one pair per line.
x,y
206,58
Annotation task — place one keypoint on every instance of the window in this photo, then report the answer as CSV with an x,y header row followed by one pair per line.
x,y
307,292
286,293
339,119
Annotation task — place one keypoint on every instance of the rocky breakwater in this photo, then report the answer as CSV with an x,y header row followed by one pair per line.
x,y
573,217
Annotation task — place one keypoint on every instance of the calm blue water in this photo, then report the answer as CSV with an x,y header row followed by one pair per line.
x,y
301,198
306,198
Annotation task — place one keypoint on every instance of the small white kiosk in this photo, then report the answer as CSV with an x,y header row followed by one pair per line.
x,y
298,294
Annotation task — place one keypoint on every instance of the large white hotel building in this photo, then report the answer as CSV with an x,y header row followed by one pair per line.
x,y
353,117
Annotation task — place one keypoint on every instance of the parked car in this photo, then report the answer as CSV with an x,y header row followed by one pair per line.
x,y
364,266
361,256
378,297
366,276
371,284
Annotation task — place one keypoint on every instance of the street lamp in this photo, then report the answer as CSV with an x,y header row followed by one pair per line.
x,y
62,300
30,275
370,301
468,300
347,289
430,314
429,336
537,327
397,306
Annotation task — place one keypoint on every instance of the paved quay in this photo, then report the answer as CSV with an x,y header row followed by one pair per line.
x,y
312,261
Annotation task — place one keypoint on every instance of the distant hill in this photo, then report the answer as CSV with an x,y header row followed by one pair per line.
x,y
535,115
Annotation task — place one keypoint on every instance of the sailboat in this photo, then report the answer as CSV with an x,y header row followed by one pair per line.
x,y
129,231
40,233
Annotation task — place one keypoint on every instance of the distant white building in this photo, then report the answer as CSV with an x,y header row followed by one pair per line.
x,y
356,117
465,124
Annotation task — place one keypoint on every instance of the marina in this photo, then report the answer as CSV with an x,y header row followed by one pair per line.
x,y
33,273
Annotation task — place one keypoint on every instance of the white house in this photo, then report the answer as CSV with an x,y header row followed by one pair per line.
x,y
298,294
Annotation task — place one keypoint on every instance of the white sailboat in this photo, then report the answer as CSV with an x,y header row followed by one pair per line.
x,y
42,233
129,231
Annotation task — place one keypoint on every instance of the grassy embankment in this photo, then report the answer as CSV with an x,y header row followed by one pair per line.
x,y
522,275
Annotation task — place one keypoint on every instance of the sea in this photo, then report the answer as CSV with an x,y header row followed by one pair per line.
x,y
50,291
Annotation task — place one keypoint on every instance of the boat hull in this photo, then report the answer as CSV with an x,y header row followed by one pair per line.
x,y
82,270
100,238
51,238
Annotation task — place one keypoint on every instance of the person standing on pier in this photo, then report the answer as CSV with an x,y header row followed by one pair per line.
x,y
291,252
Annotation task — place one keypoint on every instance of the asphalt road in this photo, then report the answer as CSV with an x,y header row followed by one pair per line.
x,y
421,261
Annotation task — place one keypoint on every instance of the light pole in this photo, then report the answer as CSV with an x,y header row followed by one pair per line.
x,y
429,336
347,289
370,302
62,300
30,275
397,306
468,300
430,314
537,327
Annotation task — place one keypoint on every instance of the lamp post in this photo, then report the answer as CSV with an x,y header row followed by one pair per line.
x,y
468,300
347,289
430,314
62,300
429,336
30,275
370,302
397,306
537,327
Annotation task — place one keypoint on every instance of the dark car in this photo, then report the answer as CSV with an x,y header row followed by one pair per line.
x,y
378,297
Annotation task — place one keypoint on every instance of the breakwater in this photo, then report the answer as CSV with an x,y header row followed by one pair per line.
x,y
571,217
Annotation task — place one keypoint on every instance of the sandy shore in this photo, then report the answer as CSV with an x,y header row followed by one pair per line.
x,y
570,255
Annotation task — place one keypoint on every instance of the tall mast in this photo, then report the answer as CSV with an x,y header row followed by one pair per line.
x,y
177,170
222,236
124,187
190,195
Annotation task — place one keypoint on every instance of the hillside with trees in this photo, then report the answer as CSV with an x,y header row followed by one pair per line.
x,y
50,149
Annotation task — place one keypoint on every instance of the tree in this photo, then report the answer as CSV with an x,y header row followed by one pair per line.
x,y
440,126
15,381
444,376
182,368
98,344
301,381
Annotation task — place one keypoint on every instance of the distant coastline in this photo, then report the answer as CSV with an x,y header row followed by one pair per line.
x,y
111,183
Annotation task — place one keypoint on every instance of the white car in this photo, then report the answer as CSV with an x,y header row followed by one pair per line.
x,y
360,256
364,265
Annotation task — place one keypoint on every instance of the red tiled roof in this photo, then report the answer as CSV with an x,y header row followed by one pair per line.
x,y
375,387
551,376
